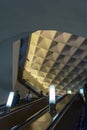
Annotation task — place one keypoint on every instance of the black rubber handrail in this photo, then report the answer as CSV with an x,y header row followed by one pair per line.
x,y
35,116
12,109
63,111
22,107
31,119
23,113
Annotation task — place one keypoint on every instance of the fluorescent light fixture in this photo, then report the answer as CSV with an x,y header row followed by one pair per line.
x,y
69,92
52,99
81,91
10,99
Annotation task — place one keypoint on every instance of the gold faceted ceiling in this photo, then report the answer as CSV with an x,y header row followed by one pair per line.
x,y
58,58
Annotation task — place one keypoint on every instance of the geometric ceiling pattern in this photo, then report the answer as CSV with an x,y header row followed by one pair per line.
x,y
58,58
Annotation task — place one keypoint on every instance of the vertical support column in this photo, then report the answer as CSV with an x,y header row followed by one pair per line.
x,y
52,101
5,70
16,49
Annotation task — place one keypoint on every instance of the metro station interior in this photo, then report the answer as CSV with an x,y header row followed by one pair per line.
x,y
43,45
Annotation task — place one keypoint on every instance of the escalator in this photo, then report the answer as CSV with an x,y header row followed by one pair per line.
x,y
4,110
69,117
43,120
21,114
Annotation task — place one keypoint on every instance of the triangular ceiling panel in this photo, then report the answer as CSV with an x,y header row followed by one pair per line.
x,y
41,53
38,60
44,43
55,49
51,57
59,37
48,34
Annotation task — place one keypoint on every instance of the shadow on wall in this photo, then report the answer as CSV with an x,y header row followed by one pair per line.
x,y
3,95
22,90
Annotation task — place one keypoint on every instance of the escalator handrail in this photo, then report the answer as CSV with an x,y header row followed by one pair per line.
x,y
23,107
31,119
63,111
35,116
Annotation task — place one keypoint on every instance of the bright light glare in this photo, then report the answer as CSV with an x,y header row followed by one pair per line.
x,y
52,99
81,91
55,116
10,99
69,92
